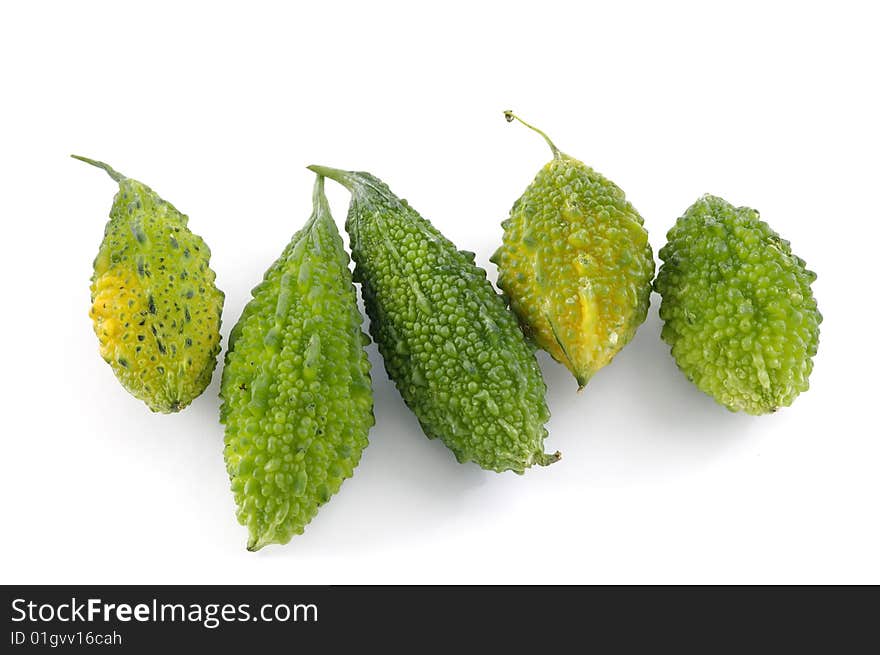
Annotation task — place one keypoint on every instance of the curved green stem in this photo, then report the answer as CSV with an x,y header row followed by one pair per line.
x,y
356,182
112,173
510,116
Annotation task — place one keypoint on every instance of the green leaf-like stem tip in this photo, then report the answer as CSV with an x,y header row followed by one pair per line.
x,y
110,171
345,178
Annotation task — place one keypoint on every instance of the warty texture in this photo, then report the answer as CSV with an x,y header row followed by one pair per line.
x,y
297,400
450,345
737,307
576,265
155,307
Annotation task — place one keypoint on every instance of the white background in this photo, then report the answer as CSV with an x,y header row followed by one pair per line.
x,y
219,106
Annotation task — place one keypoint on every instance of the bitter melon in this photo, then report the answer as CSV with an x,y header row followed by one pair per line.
x,y
297,400
450,345
155,307
575,264
738,308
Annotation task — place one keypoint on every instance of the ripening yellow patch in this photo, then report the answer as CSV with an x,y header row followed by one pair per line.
x,y
588,313
118,298
592,344
580,336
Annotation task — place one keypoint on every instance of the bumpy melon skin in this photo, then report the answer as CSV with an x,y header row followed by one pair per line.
x,y
738,308
576,266
297,399
155,307
450,345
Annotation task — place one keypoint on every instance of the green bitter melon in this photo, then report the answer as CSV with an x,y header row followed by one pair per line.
x,y
450,345
297,400
738,308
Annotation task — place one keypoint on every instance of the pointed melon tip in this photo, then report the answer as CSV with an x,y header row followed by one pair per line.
x,y
582,380
257,542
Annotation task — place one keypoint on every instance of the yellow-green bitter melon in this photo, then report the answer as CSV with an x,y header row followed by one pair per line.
x,y
575,264
297,399
155,307
449,343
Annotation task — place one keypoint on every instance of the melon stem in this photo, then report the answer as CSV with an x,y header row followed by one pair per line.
x,y
106,167
510,116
